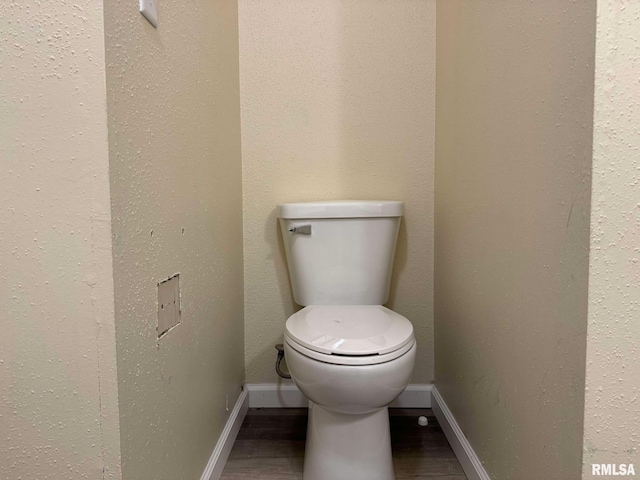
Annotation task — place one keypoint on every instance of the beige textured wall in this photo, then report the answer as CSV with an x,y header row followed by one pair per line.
x,y
612,411
337,101
513,158
58,389
174,145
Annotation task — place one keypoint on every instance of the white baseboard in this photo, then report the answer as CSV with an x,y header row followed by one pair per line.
x,y
461,447
416,395
275,395
287,395
221,452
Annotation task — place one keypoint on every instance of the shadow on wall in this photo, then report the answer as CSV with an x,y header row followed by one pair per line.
x,y
275,258
276,243
399,263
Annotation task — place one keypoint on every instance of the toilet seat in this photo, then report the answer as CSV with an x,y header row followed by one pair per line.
x,y
349,334
359,360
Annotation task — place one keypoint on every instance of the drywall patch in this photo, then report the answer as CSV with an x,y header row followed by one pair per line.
x,y
169,310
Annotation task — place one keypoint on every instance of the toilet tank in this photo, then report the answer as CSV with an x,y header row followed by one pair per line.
x,y
340,253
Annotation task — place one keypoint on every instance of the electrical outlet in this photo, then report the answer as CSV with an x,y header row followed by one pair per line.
x,y
168,304
149,9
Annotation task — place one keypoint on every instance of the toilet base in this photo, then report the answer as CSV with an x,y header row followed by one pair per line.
x,y
348,447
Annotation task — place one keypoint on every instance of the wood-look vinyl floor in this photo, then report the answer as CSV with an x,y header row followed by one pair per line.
x,y
270,446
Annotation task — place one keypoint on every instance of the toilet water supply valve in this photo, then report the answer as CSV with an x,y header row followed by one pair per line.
x,y
280,349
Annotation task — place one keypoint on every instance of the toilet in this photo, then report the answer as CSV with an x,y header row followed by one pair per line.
x,y
346,352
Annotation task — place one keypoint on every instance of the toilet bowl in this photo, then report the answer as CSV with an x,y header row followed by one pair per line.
x,y
350,374
346,352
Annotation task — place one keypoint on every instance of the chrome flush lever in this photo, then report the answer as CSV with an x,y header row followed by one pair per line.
x,y
303,229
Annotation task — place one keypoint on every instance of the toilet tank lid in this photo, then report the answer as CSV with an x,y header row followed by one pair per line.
x,y
342,209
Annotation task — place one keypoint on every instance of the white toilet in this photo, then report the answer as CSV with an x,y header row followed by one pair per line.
x,y
347,353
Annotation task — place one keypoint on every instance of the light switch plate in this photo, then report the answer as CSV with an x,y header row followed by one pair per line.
x,y
168,304
149,9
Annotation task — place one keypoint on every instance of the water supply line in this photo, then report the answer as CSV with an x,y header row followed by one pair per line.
x,y
280,349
